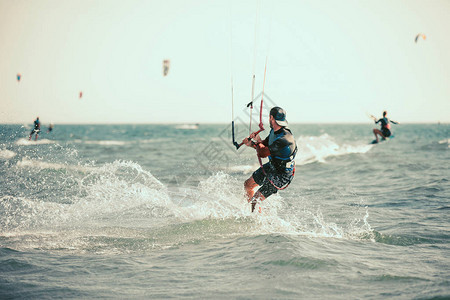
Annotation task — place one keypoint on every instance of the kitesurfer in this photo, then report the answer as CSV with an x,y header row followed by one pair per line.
x,y
36,129
281,148
385,131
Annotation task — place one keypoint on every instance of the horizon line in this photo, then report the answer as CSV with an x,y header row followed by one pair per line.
x,y
224,123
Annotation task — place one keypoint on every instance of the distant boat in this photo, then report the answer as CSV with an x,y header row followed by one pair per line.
x,y
187,126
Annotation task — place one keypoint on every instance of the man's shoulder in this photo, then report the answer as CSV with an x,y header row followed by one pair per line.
x,y
287,131
284,136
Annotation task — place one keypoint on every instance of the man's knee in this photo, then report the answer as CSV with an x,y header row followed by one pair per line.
x,y
249,182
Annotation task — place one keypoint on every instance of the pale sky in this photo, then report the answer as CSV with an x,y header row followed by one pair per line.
x,y
328,61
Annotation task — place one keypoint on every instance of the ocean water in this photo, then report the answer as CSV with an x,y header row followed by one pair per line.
x,y
158,211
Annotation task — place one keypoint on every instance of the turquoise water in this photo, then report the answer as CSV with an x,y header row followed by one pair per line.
x,y
157,211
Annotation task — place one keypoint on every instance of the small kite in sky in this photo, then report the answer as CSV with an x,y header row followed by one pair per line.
x,y
166,66
420,35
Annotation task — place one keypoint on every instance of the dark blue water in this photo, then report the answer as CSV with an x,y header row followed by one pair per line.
x,y
157,211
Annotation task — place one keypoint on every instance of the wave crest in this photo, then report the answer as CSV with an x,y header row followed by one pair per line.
x,y
317,148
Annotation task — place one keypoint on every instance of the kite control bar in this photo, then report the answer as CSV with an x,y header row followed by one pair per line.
x,y
236,144
234,140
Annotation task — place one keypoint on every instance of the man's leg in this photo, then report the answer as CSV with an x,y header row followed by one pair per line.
x,y
252,197
257,196
249,186
266,189
377,132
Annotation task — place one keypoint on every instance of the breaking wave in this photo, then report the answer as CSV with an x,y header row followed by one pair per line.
x,y
7,154
32,142
121,198
318,148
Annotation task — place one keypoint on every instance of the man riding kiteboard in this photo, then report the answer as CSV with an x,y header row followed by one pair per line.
x,y
385,131
36,129
281,148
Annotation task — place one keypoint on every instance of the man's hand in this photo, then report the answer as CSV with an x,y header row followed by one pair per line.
x,y
256,137
248,142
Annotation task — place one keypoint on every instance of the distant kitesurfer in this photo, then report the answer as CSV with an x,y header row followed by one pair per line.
x,y
36,129
281,148
385,131
50,128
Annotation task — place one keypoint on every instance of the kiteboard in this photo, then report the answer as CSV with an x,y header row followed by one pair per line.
x,y
382,140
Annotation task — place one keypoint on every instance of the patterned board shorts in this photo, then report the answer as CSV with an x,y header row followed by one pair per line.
x,y
277,178
386,132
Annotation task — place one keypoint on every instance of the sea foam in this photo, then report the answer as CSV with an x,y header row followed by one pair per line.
x,y
317,148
